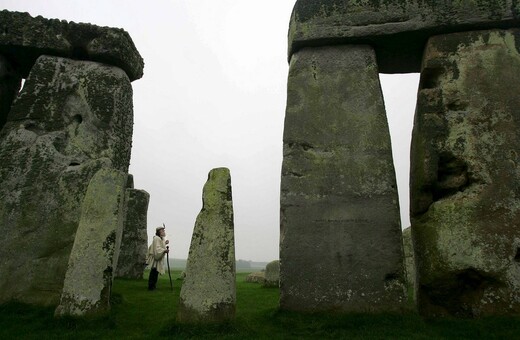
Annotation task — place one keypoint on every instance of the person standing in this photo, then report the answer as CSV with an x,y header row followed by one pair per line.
x,y
155,259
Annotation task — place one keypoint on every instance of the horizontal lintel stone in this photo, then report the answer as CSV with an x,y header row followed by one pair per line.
x,y
24,38
396,29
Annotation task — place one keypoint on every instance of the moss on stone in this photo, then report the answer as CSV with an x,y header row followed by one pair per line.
x,y
47,158
208,293
464,237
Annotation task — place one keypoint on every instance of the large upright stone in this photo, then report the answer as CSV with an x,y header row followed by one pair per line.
x,y
88,281
208,293
134,243
397,29
272,274
71,119
24,38
10,82
340,242
465,178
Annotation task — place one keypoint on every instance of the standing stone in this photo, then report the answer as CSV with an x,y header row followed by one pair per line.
x,y
409,260
272,274
88,281
340,242
208,293
256,277
10,82
465,179
71,119
134,244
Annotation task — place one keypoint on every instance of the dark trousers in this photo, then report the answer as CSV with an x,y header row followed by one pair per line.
x,y
152,279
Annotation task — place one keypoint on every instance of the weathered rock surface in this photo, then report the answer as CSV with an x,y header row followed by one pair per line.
x,y
25,38
134,244
398,29
465,183
256,277
10,83
94,256
272,274
71,119
409,258
340,242
208,293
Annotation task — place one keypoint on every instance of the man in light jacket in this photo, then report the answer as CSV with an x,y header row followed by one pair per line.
x,y
155,259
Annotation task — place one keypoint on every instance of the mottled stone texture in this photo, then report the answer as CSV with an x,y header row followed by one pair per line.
x,y
340,242
409,260
134,244
257,277
24,38
71,119
10,82
208,293
272,274
465,179
397,29
88,281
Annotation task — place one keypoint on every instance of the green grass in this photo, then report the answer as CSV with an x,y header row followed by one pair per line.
x,y
139,314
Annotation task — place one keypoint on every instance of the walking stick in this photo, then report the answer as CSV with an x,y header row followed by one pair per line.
x,y
168,263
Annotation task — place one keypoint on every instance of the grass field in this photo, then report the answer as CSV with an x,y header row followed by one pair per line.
x,y
139,314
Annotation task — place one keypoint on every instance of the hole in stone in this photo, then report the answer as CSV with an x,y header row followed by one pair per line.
x,y
303,145
471,279
457,106
78,119
79,52
452,176
31,126
390,277
430,78
306,146
74,164
453,290
295,174
517,256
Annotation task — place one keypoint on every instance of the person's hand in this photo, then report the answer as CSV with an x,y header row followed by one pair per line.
x,y
167,241
167,251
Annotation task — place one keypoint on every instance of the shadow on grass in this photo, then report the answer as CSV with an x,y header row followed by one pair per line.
x,y
213,330
137,314
22,321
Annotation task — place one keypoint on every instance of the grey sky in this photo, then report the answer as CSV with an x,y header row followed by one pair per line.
x,y
213,94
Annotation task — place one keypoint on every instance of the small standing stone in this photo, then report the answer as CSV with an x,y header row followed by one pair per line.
x,y
208,293
256,277
134,244
272,274
88,281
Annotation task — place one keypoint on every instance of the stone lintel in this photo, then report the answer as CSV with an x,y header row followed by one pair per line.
x,y
397,29
24,38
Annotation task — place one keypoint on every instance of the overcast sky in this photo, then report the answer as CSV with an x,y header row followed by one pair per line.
x,y
213,94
